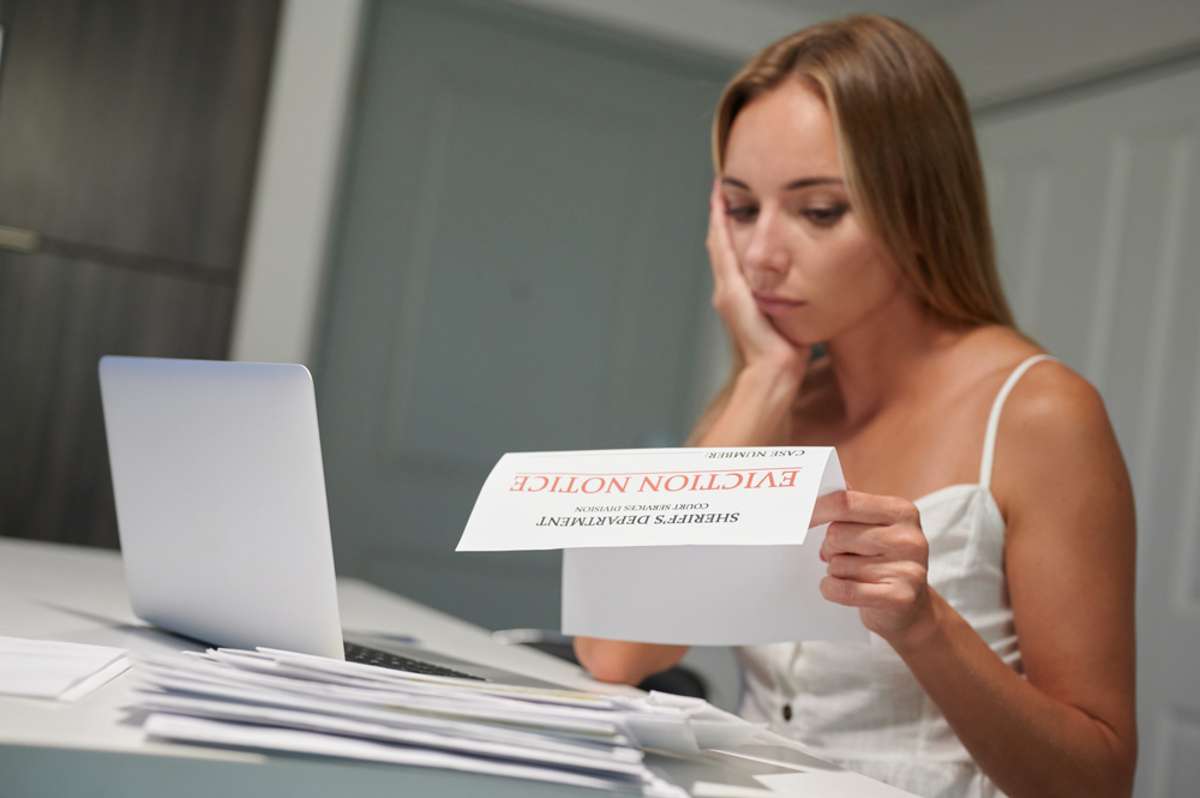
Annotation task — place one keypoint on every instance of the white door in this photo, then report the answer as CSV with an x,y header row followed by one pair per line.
x,y
1096,202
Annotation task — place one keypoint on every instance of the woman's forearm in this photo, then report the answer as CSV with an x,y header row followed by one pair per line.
x,y
625,662
758,410
1027,742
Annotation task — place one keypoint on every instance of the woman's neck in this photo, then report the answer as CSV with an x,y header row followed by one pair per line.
x,y
886,357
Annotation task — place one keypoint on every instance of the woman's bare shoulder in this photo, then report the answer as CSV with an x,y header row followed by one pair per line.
x,y
1055,440
987,355
1052,399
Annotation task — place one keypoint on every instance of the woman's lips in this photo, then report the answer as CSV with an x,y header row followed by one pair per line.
x,y
776,303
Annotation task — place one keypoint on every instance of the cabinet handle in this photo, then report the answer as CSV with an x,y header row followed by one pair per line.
x,y
15,239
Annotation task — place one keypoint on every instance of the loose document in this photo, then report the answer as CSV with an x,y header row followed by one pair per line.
x,y
686,546
283,701
57,670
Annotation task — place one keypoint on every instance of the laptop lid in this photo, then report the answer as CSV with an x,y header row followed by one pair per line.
x,y
220,498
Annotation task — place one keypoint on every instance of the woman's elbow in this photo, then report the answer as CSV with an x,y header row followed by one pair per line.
x,y
624,662
608,660
1125,769
1115,773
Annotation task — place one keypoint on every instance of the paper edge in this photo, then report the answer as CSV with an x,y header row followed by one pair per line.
x,y
97,680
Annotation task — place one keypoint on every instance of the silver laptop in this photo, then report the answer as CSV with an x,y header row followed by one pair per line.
x,y
221,510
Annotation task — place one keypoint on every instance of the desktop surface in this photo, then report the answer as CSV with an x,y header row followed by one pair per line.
x,y
93,746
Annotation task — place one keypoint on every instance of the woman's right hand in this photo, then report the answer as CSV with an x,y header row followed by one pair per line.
x,y
754,335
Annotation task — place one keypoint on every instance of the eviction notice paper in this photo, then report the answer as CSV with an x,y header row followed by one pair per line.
x,y
686,546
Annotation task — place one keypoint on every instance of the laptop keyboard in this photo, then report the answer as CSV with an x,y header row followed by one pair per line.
x,y
373,656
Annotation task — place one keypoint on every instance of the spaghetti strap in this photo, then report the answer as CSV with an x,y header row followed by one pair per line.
x,y
989,440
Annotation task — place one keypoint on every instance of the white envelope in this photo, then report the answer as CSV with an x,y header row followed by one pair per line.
x,y
686,546
703,595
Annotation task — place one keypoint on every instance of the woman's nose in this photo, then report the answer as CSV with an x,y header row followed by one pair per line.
x,y
767,258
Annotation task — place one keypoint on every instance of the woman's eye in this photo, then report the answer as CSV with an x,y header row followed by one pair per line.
x,y
825,216
741,213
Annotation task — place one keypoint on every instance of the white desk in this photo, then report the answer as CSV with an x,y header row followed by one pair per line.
x,y
92,748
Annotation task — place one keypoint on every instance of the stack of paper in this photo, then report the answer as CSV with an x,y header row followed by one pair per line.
x,y
284,701
56,670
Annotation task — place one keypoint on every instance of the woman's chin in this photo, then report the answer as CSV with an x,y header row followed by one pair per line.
x,y
797,338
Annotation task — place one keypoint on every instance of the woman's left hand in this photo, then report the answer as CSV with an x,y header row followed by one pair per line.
x,y
878,557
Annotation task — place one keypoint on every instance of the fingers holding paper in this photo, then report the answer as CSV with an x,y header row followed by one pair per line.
x,y
877,559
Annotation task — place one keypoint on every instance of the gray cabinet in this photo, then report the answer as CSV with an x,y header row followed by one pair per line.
x,y
128,138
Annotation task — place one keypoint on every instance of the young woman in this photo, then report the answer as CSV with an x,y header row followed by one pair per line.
x,y
988,538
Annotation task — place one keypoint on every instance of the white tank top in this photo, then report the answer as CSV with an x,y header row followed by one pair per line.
x,y
858,704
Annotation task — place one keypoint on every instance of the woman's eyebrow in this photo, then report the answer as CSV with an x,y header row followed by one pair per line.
x,y
803,182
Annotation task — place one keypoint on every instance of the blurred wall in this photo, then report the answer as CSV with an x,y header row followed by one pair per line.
x,y
297,179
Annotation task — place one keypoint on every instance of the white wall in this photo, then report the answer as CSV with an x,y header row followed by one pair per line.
x,y
1001,49
730,29
307,110
1005,50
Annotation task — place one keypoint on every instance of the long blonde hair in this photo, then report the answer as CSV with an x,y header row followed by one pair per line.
x,y
908,150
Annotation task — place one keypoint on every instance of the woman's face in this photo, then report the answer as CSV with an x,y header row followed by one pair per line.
x,y
814,270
